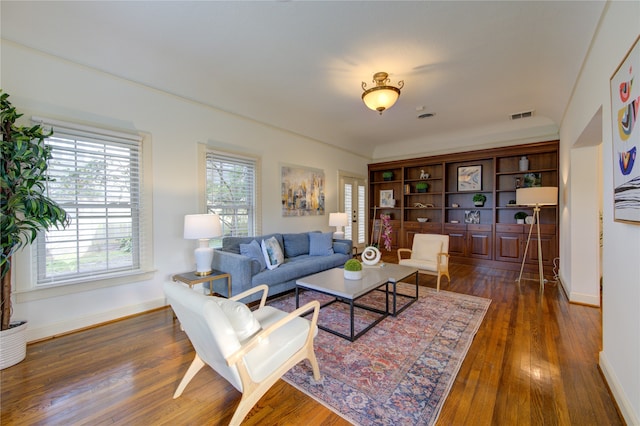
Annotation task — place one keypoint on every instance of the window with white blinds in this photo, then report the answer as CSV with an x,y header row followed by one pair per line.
x,y
231,193
97,178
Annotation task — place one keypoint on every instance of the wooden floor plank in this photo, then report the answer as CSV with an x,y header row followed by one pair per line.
x,y
532,362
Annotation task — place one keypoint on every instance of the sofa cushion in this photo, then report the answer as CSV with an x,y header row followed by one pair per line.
x,y
240,317
272,253
320,244
295,244
254,251
232,244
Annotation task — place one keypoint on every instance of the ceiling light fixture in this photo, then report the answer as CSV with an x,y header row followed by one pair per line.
x,y
381,97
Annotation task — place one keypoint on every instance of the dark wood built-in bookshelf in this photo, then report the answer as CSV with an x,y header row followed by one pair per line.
x,y
478,235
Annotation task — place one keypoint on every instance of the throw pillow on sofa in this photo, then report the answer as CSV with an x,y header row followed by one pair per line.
x,y
272,253
254,251
320,244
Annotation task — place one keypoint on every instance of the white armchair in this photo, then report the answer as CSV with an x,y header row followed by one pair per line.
x,y
429,253
251,350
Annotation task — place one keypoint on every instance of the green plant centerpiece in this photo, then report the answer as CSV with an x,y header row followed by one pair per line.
x,y
422,186
353,270
388,175
479,200
520,217
25,208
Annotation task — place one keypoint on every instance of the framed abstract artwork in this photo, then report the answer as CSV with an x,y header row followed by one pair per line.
x,y
625,102
470,178
302,191
386,198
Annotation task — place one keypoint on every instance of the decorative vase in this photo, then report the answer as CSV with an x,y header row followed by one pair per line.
x,y
520,221
371,255
13,345
524,163
352,275
478,203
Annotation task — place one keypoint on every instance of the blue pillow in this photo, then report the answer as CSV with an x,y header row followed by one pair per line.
x,y
320,244
295,244
253,251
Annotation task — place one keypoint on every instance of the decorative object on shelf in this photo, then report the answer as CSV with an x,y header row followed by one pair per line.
x,y
479,200
536,197
455,205
518,183
455,221
528,220
423,219
407,189
520,217
386,230
352,270
424,175
387,176
381,96
626,139
523,164
422,187
532,180
302,191
202,227
339,220
422,206
371,255
386,198
472,216
511,203
470,178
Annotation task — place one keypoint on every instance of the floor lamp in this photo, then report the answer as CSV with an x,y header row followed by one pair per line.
x,y
536,197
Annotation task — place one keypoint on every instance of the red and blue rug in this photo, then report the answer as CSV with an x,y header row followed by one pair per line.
x,y
399,372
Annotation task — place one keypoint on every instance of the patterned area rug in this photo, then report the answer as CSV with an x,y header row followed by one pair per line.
x,y
399,372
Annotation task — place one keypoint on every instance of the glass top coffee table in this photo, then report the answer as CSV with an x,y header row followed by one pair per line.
x,y
383,278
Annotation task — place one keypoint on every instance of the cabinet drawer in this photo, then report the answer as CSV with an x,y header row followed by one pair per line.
x,y
511,228
478,228
454,227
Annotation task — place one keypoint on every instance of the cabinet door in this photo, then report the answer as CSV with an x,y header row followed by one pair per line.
x,y
457,243
479,244
548,246
509,247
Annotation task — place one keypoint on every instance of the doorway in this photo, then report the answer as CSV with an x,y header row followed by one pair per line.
x,y
352,196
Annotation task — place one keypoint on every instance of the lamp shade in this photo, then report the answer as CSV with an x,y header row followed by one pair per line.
x,y
202,226
537,196
338,219
381,96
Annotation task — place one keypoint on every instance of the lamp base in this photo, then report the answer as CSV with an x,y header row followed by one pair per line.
x,y
338,235
202,273
204,257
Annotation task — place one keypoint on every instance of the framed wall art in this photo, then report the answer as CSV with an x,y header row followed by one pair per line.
x,y
386,198
472,216
625,102
302,191
470,178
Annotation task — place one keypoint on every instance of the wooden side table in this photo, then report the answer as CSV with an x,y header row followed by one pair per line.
x,y
191,279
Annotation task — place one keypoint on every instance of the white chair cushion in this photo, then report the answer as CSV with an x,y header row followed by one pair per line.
x,y
240,317
425,249
424,265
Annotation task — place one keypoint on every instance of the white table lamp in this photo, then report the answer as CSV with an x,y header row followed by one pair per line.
x,y
339,220
202,227
536,197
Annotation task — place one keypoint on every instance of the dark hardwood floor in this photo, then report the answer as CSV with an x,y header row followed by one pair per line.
x,y
533,362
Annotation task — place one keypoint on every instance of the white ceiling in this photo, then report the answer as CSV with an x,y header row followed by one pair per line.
x,y
299,65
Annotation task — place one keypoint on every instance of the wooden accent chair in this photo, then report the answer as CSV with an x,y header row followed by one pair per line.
x,y
250,349
430,254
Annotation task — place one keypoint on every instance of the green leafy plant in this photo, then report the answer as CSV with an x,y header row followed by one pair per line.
x,y
25,208
388,175
520,215
479,198
352,265
422,186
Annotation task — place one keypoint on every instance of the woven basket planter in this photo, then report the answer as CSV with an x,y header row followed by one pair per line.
x,y
13,345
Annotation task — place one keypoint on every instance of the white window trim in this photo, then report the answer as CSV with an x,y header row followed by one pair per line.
x,y
24,275
203,148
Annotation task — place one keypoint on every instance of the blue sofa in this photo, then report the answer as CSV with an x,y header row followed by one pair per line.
x,y
304,254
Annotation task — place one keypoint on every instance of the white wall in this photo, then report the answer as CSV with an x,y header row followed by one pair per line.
x,y
43,85
620,356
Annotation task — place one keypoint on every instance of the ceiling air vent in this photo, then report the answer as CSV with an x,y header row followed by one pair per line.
x,y
523,114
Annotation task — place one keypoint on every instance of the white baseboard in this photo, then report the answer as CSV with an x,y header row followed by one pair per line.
x,y
583,299
62,327
625,406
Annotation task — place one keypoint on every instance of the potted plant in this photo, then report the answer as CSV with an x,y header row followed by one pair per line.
x,y
388,175
352,270
479,199
422,187
520,217
25,209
